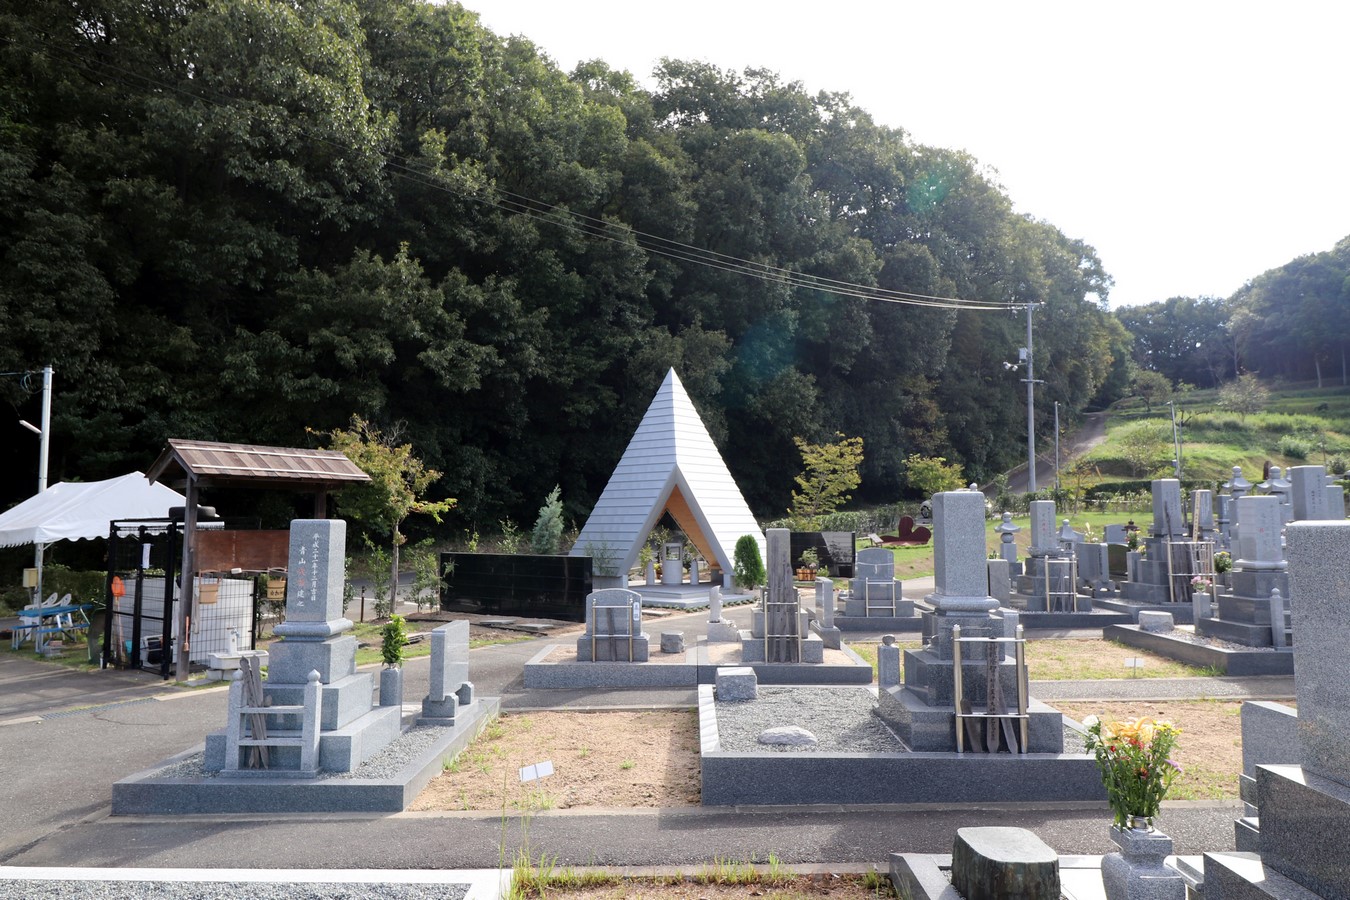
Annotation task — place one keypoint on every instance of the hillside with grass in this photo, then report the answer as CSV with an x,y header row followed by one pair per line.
x,y
1298,426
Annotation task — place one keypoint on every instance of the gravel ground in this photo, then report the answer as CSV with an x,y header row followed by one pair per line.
x,y
841,719
33,889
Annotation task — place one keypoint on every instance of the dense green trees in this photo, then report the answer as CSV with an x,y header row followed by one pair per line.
x,y
235,219
1290,322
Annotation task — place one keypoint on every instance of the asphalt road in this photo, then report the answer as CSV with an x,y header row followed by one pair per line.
x,y
1092,433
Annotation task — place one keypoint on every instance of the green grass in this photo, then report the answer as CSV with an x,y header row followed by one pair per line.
x,y
1074,659
1213,441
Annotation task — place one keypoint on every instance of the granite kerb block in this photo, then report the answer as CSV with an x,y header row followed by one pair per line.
x,y
1269,735
1225,661
1305,828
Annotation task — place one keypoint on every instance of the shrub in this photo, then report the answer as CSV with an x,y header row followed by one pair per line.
x,y
548,528
83,587
1295,447
748,565
393,638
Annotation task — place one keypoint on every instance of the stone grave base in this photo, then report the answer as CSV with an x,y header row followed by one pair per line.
x,y
163,790
685,596
556,666
1182,613
886,624
1093,618
1225,661
775,778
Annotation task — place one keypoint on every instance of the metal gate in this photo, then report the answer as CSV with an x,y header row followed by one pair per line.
x,y
141,594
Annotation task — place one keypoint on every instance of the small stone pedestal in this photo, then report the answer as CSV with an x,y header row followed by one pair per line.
x,y
1138,872
993,863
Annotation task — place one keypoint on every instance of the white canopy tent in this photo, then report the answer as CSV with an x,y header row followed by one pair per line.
x,y
74,511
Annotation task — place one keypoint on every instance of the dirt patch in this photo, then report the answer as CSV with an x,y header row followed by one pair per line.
x,y
651,759
600,759
1209,749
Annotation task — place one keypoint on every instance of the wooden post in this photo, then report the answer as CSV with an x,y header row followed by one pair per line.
x,y
185,585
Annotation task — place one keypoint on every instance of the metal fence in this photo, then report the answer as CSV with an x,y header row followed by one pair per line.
x,y
141,629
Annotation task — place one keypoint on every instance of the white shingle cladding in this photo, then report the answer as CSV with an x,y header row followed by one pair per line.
x,y
671,448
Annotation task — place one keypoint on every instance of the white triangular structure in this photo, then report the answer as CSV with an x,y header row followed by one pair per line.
x,y
670,465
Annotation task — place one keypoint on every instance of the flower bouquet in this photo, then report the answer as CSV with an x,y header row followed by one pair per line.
x,y
1133,758
1200,584
1223,561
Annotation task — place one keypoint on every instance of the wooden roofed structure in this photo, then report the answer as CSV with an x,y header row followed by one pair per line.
x,y
193,465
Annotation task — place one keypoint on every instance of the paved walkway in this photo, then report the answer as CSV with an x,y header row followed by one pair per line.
x,y
66,736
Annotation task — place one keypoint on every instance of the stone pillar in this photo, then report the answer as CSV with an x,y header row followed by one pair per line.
x,y
888,662
825,601
1279,487
1202,520
1006,529
961,573
1320,579
1309,493
314,626
1000,580
1168,521
1043,541
1259,535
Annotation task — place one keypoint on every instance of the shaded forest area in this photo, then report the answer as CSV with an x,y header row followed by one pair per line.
x,y
239,219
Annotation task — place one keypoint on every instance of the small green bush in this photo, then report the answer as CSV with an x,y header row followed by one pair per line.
x,y
393,638
747,564
1295,447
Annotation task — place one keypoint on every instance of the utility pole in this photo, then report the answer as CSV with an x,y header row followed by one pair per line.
x,y
1031,407
1056,445
1176,441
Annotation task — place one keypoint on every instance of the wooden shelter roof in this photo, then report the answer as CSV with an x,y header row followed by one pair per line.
x,y
210,463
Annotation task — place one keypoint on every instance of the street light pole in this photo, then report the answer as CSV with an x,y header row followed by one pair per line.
x,y
44,441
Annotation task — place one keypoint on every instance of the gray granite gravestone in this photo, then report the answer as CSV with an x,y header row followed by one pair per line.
x,y
1259,567
923,712
450,689
1260,524
1308,488
1167,518
1202,522
613,628
1304,810
876,592
824,624
1043,538
314,641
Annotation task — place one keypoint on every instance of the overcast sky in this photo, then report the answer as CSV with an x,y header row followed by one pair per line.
x,y
1193,144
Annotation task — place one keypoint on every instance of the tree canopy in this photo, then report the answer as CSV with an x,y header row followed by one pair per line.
x,y
235,219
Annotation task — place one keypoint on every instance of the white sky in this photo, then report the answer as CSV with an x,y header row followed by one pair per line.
x,y
1193,144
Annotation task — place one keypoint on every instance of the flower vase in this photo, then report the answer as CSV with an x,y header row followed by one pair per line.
x,y
391,686
1138,871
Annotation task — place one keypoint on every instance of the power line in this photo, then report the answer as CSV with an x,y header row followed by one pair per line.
x,y
552,214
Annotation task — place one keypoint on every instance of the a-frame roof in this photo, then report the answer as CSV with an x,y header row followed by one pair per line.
x,y
671,464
